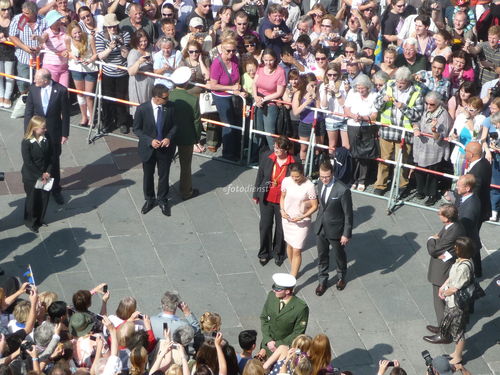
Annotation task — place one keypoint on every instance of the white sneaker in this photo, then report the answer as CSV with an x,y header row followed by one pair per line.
x,y
494,216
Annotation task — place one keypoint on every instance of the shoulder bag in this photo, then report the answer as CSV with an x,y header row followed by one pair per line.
x,y
468,294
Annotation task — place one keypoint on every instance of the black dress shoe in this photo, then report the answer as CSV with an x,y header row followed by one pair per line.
x,y
405,193
431,201
320,290
279,261
432,329
264,261
33,228
341,284
148,206
438,339
379,192
420,196
124,129
165,209
58,197
195,193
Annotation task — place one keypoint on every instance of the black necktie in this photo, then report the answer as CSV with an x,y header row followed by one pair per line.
x,y
323,195
159,123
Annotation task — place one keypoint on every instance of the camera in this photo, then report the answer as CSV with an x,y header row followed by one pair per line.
x,y
118,40
428,362
24,347
281,33
495,91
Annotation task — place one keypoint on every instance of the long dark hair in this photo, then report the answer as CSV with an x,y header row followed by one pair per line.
x,y
304,80
469,87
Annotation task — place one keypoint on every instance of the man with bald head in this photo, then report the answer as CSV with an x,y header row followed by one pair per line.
x,y
480,168
50,99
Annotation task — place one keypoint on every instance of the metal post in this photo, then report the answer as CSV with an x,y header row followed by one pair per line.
x,y
393,194
309,162
243,127
250,133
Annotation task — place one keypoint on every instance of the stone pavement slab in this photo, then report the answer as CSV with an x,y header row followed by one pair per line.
x,y
207,250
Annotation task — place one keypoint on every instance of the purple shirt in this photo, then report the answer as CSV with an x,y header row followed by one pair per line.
x,y
218,73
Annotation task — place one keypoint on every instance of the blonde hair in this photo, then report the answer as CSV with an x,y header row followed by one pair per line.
x,y
83,44
125,331
253,367
36,122
126,308
138,358
229,41
21,311
5,4
175,369
46,298
303,366
302,342
210,322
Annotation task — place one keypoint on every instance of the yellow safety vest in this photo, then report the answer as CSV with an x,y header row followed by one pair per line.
x,y
385,116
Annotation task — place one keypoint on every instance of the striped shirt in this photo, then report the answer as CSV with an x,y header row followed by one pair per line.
x,y
25,35
493,56
115,56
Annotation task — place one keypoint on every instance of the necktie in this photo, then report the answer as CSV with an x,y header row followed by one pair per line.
x,y
282,304
159,123
323,195
45,100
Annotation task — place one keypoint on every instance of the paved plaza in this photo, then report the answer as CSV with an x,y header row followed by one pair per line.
x,y
207,250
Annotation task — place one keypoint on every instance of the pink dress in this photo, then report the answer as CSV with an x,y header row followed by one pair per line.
x,y
296,204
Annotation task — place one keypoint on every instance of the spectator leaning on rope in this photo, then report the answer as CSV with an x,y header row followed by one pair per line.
x,y
399,103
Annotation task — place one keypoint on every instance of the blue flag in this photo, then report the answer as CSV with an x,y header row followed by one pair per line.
x,y
378,50
29,275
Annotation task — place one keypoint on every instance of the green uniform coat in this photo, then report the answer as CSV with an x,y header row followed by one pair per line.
x,y
187,117
283,327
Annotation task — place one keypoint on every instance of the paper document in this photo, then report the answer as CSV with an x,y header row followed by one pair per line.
x,y
447,256
47,186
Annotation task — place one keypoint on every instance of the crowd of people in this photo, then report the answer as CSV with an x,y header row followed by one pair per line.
x,y
427,66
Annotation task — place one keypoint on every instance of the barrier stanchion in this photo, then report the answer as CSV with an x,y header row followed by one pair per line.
x,y
309,162
396,175
243,127
17,78
250,134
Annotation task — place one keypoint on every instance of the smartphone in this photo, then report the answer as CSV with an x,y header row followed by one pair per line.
x,y
105,288
455,131
93,338
165,326
390,364
99,317
214,333
140,316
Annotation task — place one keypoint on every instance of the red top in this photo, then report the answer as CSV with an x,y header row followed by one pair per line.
x,y
277,176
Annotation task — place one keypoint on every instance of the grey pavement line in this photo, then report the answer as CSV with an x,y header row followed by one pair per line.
x,y
236,273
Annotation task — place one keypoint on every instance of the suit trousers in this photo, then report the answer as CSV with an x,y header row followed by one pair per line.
x,y
185,181
56,165
427,182
35,205
115,114
323,245
162,160
269,213
389,150
476,258
438,304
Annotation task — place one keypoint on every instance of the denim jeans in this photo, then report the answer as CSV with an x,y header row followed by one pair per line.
x,y
23,70
7,87
265,120
230,137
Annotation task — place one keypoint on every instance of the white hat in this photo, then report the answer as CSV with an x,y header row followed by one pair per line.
x,y
195,22
181,75
110,19
52,17
284,280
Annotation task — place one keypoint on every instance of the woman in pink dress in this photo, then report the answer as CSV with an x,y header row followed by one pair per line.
x,y
298,202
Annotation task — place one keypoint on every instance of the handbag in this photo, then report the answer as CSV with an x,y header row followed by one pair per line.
x,y
207,104
19,107
468,294
365,145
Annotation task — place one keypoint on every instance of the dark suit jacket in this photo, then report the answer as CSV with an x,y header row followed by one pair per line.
x,y
145,128
482,173
336,217
439,270
331,6
469,214
57,117
37,160
261,186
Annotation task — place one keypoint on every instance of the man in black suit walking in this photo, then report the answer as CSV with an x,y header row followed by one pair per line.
x,y
50,99
333,226
441,248
154,125
480,168
469,213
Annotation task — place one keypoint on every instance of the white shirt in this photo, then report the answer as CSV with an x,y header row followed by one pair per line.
x,y
465,197
472,165
328,190
45,93
448,226
155,109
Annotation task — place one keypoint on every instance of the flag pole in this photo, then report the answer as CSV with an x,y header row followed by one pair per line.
x,y
32,275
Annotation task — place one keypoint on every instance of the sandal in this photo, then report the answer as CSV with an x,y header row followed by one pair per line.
x,y
199,148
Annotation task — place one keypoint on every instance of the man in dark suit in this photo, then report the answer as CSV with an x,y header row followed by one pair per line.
x,y
155,126
50,99
333,226
469,214
441,248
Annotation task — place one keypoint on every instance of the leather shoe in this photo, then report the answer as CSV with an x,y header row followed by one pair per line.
x,y
58,197
148,206
431,201
320,290
433,329
279,261
165,209
264,261
194,193
341,284
379,192
405,193
420,196
438,339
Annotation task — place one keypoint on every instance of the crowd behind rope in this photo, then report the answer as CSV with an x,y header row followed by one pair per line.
x,y
428,66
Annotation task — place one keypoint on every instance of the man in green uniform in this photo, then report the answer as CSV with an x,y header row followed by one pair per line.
x,y
284,316
187,119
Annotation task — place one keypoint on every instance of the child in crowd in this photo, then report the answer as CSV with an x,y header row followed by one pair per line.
x,y
247,340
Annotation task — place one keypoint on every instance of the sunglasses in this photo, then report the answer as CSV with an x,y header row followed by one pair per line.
x,y
242,23
320,58
112,27
231,51
207,6
250,45
431,104
84,17
326,25
349,51
5,9
332,75
167,15
277,288
194,51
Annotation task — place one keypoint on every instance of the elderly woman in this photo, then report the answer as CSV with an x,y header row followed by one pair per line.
x,y
273,168
429,152
112,47
379,79
360,109
455,319
139,60
166,60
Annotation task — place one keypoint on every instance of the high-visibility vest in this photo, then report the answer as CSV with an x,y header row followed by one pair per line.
x,y
385,116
